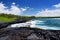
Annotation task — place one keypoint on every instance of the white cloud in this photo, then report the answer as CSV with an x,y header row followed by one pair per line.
x,y
57,5
2,8
13,3
13,10
47,12
23,9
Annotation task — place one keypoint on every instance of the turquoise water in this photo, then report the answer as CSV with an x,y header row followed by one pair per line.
x,y
47,23
44,23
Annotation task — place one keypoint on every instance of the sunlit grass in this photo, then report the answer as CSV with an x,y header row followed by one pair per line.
x,y
6,19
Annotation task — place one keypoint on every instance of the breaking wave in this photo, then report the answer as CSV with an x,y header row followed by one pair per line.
x,y
47,24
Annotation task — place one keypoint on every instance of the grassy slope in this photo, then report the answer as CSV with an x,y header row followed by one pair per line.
x,y
5,19
10,17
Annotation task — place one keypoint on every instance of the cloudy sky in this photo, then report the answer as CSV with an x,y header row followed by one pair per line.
x,y
30,7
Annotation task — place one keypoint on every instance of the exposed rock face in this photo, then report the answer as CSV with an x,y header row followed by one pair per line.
x,y
28,34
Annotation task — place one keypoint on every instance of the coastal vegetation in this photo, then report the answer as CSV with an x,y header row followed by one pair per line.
x,y
10,17
47,16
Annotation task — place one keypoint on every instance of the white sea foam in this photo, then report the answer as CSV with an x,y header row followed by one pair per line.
x,y
29,23
20,25
42,26
32,24
47,27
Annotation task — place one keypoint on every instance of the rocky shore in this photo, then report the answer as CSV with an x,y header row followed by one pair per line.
x,y
25,33
22,20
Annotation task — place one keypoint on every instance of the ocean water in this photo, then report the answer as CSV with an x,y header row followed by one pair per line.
x,y
47,23
43,23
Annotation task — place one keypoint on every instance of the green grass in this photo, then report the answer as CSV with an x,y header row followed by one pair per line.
x,y
6,19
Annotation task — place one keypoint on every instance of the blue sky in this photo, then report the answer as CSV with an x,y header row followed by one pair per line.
x,y
31,7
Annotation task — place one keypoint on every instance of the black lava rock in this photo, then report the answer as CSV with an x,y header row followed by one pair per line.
x,y
24,33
